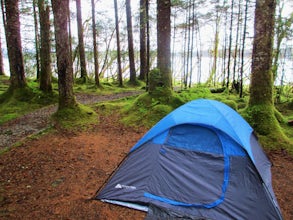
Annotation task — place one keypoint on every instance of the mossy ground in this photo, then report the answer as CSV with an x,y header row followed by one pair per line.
x,y
14,103
76,118
144,110
147,109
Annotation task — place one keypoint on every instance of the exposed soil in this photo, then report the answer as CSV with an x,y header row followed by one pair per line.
x,y
55,176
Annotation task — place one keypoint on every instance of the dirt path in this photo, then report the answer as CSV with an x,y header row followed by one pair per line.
x,y
36,121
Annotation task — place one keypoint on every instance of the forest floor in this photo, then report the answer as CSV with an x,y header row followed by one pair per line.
x,y
56,175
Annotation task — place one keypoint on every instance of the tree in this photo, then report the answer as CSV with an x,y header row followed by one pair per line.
x,y
45,52
130,43
261,106
216,42
83,72
1,59
37,38
142,38
64,64
230,44
163,43
96,62
13,41
282,31
120,80
243,49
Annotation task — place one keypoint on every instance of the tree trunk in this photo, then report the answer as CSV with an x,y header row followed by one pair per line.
x,y
235,84
70,35
243,49
37,39
1,59
142,38
282,31
130,43
198,54
188,48
192,43
64,64
230,45
184,81
45,53
261,88
261,79
120,80
4,24
148,43
216,48
96,61
13,40
163,42
83,72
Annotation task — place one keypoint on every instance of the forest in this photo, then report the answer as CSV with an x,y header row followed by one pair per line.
x,y
82,81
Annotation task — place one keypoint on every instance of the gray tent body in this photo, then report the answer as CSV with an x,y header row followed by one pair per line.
x,y
195,170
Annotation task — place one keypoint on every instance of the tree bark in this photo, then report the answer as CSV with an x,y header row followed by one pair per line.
x,y
96,62
130,43
261,106
83,71
243,49
261,87
45,52
230,45
37,38
163,41
13,40
64,64
142,38
120,80
1,59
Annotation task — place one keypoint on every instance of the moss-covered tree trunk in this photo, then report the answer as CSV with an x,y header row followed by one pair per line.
x,y
64,64
261,106
45,52
13,40
164,77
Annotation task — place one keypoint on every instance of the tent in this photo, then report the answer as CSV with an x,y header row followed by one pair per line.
x,y
201,161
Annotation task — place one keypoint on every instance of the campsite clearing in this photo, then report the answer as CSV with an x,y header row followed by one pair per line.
x,y
56,175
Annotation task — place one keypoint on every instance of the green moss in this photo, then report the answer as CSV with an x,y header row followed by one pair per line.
x,y
148,109
16,102
195,93
241,104
231,103
4,83
263,119
75,118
